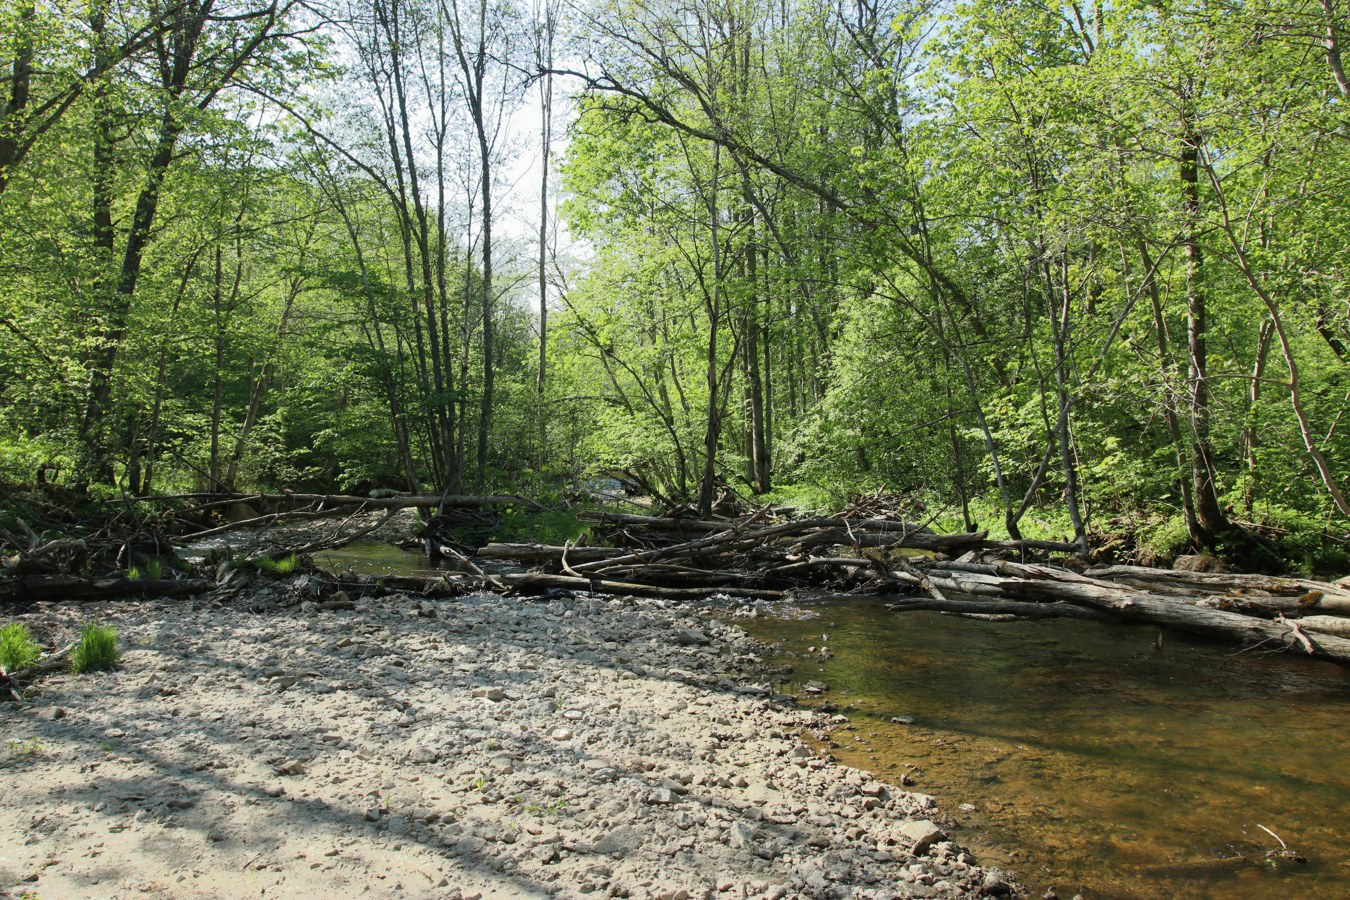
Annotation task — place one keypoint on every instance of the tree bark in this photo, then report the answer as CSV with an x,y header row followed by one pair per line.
x,y
1210,520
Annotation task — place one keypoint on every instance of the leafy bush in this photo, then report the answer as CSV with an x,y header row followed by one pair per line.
x,y
18,650
96,651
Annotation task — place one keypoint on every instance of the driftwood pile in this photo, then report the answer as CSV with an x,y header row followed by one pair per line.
x,y
1296,614
966,574
761,556
751,557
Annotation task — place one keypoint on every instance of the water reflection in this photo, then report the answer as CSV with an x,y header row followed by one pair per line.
x,y
1096,758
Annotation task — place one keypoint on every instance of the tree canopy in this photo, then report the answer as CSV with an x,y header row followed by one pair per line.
x,y
1069,268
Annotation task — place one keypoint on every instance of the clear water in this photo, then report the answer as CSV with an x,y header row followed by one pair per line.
x,y
374,558
1096,759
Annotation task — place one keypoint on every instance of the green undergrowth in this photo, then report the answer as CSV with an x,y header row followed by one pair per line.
x,y
550,526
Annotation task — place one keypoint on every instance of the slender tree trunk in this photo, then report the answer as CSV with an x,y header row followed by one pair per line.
x,y
217,390
1286,347
397,34
1061,322
1210,521
1169,395
1253,400
20,89
759,445
545,149
489,350
713,429
1333,43
957,460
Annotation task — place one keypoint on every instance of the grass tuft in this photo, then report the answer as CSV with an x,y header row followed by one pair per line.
x,y
284,565
154,570
96,651
18,650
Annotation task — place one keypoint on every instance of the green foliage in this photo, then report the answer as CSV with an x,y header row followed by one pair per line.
x,y
550,526
96,651
952,256
18,650
1163,540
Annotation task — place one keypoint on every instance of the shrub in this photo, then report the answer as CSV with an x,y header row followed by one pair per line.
x,y
18,650
96,651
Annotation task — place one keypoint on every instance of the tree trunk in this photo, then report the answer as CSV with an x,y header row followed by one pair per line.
x,y
713,428
20,89
1333,42
1210,521
1253,399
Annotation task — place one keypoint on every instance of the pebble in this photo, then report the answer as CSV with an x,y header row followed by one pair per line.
x,y
614,730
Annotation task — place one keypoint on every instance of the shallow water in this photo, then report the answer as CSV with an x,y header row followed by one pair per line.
x,y
1096,760
374,558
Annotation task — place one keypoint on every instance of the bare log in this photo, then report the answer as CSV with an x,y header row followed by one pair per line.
x,y
549,553
1024,582
74,587
419,501
1211,581
1325,624
338,540
1220,623
1000,608
655,523
604,586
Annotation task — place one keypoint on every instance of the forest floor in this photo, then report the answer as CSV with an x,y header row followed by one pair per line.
x,y
448,747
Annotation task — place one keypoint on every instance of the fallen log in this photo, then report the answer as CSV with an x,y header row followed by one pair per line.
x,y
75,587
1286,635
656,523
604,586
12,683
1042,584
322,506
1054,610
398,501
1336,625
1329,596
549,553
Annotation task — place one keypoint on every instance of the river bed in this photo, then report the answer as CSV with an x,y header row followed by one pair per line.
x,y
1110,760
1115,761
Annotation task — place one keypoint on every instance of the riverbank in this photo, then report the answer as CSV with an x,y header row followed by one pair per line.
x,y
413,746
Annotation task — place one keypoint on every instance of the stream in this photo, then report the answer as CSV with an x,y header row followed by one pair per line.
x,y
1094,758
1115,761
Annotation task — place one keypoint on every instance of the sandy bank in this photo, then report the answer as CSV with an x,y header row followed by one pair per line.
x,y
441,747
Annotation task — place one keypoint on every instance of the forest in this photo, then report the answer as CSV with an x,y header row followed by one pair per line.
x,y
1063,271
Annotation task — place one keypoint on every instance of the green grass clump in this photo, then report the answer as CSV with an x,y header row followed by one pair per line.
x,y
154,570
18,650
96,651
284,565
